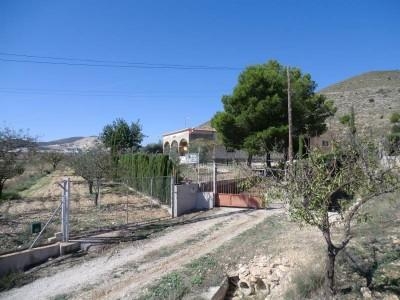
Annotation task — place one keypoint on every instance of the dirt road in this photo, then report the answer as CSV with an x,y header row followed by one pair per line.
x,y
123,271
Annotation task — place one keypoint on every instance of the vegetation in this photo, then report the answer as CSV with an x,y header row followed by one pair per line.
x,y
177,284
153,148
349,121
147,173
171,286
15,148
306,282
255,116
24,182
204,148
53,158
394,136
140,165
9,281
93,165
121,137
342,180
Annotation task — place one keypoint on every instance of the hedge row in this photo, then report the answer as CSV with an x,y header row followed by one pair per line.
x,y
147,173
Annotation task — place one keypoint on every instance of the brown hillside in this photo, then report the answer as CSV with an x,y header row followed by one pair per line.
x,y
374,95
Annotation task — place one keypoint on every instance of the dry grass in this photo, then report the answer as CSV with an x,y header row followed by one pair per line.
x,y
118,206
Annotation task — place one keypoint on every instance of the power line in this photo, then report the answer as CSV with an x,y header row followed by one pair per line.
x,y
103,91
103,95
93,93
111,61
53,60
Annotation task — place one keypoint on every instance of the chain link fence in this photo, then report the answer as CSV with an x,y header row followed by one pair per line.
x,y
133,201
136,200
22,219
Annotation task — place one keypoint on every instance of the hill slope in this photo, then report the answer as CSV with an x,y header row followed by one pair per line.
x,y
61,141
374,95
70,144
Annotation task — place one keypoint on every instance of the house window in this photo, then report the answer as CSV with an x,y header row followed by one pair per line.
x,y
325,143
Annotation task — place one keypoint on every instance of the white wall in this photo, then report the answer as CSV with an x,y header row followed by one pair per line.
x,y
187,198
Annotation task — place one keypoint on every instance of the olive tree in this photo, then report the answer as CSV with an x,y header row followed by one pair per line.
x,y
15,147
337,184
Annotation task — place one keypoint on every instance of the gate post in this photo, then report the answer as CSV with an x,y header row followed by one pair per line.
x,y
172,196
214,182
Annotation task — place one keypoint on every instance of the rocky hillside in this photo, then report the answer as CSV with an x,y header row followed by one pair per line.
x,y
374,95
70,144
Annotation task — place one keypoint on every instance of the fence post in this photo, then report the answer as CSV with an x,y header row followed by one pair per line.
x,y
214,181
67,202
64,210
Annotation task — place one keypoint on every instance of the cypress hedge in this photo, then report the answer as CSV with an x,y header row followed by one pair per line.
x,y
147,173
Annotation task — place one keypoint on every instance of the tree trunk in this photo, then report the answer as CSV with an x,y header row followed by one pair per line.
x,y
249,159
90,183
97,193
268,159
1,188
96,199
330,272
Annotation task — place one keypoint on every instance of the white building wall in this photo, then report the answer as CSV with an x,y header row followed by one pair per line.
x,y
176,136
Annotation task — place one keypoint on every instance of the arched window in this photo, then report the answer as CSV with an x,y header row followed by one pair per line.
x,y
183,147
174,146
167,148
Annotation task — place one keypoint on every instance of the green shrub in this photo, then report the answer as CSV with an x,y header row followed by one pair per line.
x,y
10,195
9,281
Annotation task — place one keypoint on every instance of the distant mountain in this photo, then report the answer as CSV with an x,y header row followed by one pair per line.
x,y
61,141
71,144
374,96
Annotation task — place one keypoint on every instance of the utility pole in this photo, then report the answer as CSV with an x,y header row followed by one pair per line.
x,y
290,150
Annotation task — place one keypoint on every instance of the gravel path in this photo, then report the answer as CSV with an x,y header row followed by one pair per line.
x,y
95,279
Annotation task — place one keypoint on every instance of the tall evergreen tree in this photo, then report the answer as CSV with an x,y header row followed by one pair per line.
x,y
255,116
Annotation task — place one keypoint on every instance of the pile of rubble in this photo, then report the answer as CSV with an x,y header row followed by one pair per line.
x,y
262,276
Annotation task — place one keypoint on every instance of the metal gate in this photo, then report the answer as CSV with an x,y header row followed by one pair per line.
x,y
238,193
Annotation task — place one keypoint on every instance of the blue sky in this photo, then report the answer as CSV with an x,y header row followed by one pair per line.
x,y
331,40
